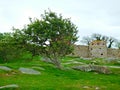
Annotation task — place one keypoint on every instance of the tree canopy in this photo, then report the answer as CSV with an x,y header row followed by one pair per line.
x,y
52,36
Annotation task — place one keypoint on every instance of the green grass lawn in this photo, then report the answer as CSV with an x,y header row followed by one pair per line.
x,y
55,79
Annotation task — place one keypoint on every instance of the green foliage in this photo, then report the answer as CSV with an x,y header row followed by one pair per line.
x,y
5,46
8,48
52,36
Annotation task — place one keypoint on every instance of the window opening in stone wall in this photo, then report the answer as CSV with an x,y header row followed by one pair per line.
x,y
97,43
101,53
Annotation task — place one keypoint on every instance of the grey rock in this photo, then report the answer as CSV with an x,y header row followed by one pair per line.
x,y
5,68
86,87
96,68
87,58
39,68
29,71
111,58
114,66
97,88
45,59
73,62
9,86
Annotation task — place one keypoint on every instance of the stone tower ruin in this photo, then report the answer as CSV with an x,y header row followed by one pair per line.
x,y
98,49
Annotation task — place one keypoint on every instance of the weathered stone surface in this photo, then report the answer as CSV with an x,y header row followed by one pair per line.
x,y
111,58
87,58
97,49
74,62
86,87
97,88
9,86
45,59
29,71
39,68
96,68
114,66
5,68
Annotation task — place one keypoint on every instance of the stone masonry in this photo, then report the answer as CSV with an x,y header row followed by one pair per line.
x,y
97,49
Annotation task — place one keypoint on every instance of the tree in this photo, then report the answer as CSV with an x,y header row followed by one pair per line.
x,y
109,40
86,40
11,46
1,36
21,41
52,36
7,49
5,39
96,36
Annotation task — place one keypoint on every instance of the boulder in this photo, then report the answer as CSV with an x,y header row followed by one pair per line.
x,y
96,68
39,68
9,87
5,68
29,71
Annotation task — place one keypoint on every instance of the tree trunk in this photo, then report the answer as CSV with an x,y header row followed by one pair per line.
x,y
110,45
54,60
57,63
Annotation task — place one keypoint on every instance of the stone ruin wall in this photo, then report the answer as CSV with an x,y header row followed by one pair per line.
x,y
83,51
98,49
113,53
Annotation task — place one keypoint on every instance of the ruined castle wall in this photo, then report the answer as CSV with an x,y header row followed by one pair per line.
x,y
113,53
85,51
98,49
81,51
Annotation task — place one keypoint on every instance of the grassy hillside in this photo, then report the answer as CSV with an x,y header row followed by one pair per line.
x,y
54,79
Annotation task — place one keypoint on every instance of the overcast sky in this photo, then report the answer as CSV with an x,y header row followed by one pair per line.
x,y
90,16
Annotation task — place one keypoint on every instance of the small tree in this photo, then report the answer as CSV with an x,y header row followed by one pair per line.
x,y
86,40
109,40
8,48
52,36
96,36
